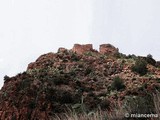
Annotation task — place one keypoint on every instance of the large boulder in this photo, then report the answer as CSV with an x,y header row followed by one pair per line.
x,y
108,49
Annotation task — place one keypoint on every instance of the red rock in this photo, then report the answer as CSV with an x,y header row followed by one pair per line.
x,y
56,84
108,49
42,59
80,49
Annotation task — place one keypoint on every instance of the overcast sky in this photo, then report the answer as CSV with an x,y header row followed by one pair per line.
x,y
29,28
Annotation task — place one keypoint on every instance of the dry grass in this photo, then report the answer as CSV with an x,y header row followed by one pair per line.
x,y
156,98
118,113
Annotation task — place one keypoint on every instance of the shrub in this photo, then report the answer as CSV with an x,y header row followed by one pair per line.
x,y
6,78
117,84
120,55
105,104
156,98
139,104
32,104
150,60
60,79
149,56
140,67
157,64
158,80
88,70
88,54
74,57
24,84
66,97
131,56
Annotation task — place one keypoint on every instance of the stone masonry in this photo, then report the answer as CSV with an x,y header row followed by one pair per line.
x,y
103,49
80,49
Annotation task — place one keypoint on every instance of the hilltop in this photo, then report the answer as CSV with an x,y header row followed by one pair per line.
x,y
81,80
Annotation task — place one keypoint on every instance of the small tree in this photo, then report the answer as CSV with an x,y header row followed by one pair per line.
x,y
117,84
140,67
6,78
150,60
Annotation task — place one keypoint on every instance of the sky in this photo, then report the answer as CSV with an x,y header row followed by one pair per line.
x,y
31,28
131,25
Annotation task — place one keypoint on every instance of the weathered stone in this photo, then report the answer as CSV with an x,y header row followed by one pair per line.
x,y
56,81
108,49
45,59
80,49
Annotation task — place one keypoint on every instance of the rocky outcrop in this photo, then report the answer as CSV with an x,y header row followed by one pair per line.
x,y
80,49
108,49
58,81
43,60
61,49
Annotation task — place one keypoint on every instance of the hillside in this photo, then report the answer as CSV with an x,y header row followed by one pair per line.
x,y
81,80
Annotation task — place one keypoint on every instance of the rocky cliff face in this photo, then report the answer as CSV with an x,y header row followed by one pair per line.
x,y
59,81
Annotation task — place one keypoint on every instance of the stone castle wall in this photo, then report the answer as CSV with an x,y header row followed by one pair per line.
x,y
80,49
103,49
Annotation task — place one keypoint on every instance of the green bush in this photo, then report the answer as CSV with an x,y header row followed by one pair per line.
x,y
74,57
6,78
139,104
32,104
88,70
140,67
88,54
117,84
24,84
60,79
150,60
131,56
120,55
